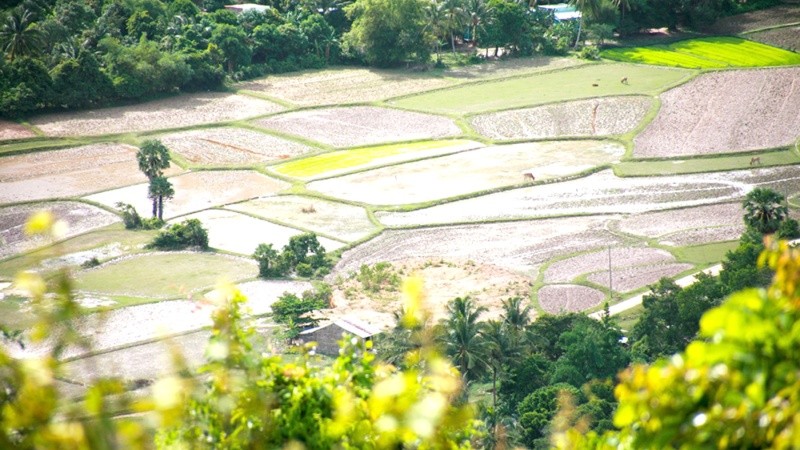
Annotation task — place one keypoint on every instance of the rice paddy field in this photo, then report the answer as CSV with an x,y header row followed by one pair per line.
x,y
707,53
510,178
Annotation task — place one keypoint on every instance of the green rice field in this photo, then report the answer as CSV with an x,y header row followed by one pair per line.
x,y
706,53
349,159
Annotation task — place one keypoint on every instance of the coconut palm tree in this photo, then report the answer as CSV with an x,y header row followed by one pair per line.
x,y
20,35
765,209
591,7
434,11
454,16
463,339
479,13
160,188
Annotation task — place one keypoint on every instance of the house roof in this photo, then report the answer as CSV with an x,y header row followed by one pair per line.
x,y
350,325
244,7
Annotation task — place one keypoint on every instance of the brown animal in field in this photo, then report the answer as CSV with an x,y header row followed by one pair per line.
x,y
528,176
595,84
308,210
756,160
624,80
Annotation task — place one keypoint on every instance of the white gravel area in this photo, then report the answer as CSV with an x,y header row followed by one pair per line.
x,y
174,112
593,117
360,125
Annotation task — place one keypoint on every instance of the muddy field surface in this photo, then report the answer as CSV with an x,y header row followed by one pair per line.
x,y
788,38
601,193
350,85
69,172
724,112
360,125
221,146
703,236
196,191
663,223
567,298
519,246
755,20
444,280
630,278
240,233
11,130
346,222
470,171
567,270
79,217
174,112
594,117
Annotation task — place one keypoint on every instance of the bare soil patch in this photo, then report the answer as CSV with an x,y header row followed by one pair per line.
x,y
80,218
593,117
567,298
663,223
519,246
360,125
755,20
600,193
703,236
218,146
788,38
69,172
723,112
239,233
470,171
445,279
350,85
174,112
347,222
567,270
631,278
12,130
196,191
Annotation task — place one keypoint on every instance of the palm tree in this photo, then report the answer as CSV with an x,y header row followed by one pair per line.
x,y
463,339
479,13
765,209
435,15
159,189
153,158
585,6
454,18
622,5
20,35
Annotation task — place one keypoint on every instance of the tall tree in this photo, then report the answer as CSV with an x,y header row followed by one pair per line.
x,y
153,158
20,35
389,32
463,339
159,189
479,13
765,209
454,18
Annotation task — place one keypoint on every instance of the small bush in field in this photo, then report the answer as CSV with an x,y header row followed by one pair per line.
x,y
189,233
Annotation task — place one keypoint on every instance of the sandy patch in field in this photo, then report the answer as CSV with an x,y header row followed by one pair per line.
x,y
469,171
346,222
69,172
567,270
240,233
520,246
754,20
600,193
231,146
196,191
360,125
628,279
662,223
356,85
174,112
722,112
79,217
566,298
12,130
444,280
593,117
788,38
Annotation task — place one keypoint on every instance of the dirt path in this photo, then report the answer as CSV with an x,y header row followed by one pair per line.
x,y
637,300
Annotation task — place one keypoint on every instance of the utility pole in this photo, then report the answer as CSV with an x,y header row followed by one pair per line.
x,y
610,279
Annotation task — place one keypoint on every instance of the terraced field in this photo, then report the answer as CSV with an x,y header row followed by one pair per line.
x,y
434,191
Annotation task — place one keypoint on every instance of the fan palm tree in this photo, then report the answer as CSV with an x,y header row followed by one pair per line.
x,y
463,339
765,209
20,35
160,188
153,158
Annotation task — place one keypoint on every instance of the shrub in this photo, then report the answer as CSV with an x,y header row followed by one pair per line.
x,y
381,276
131,218
304,270
89,263
189,233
